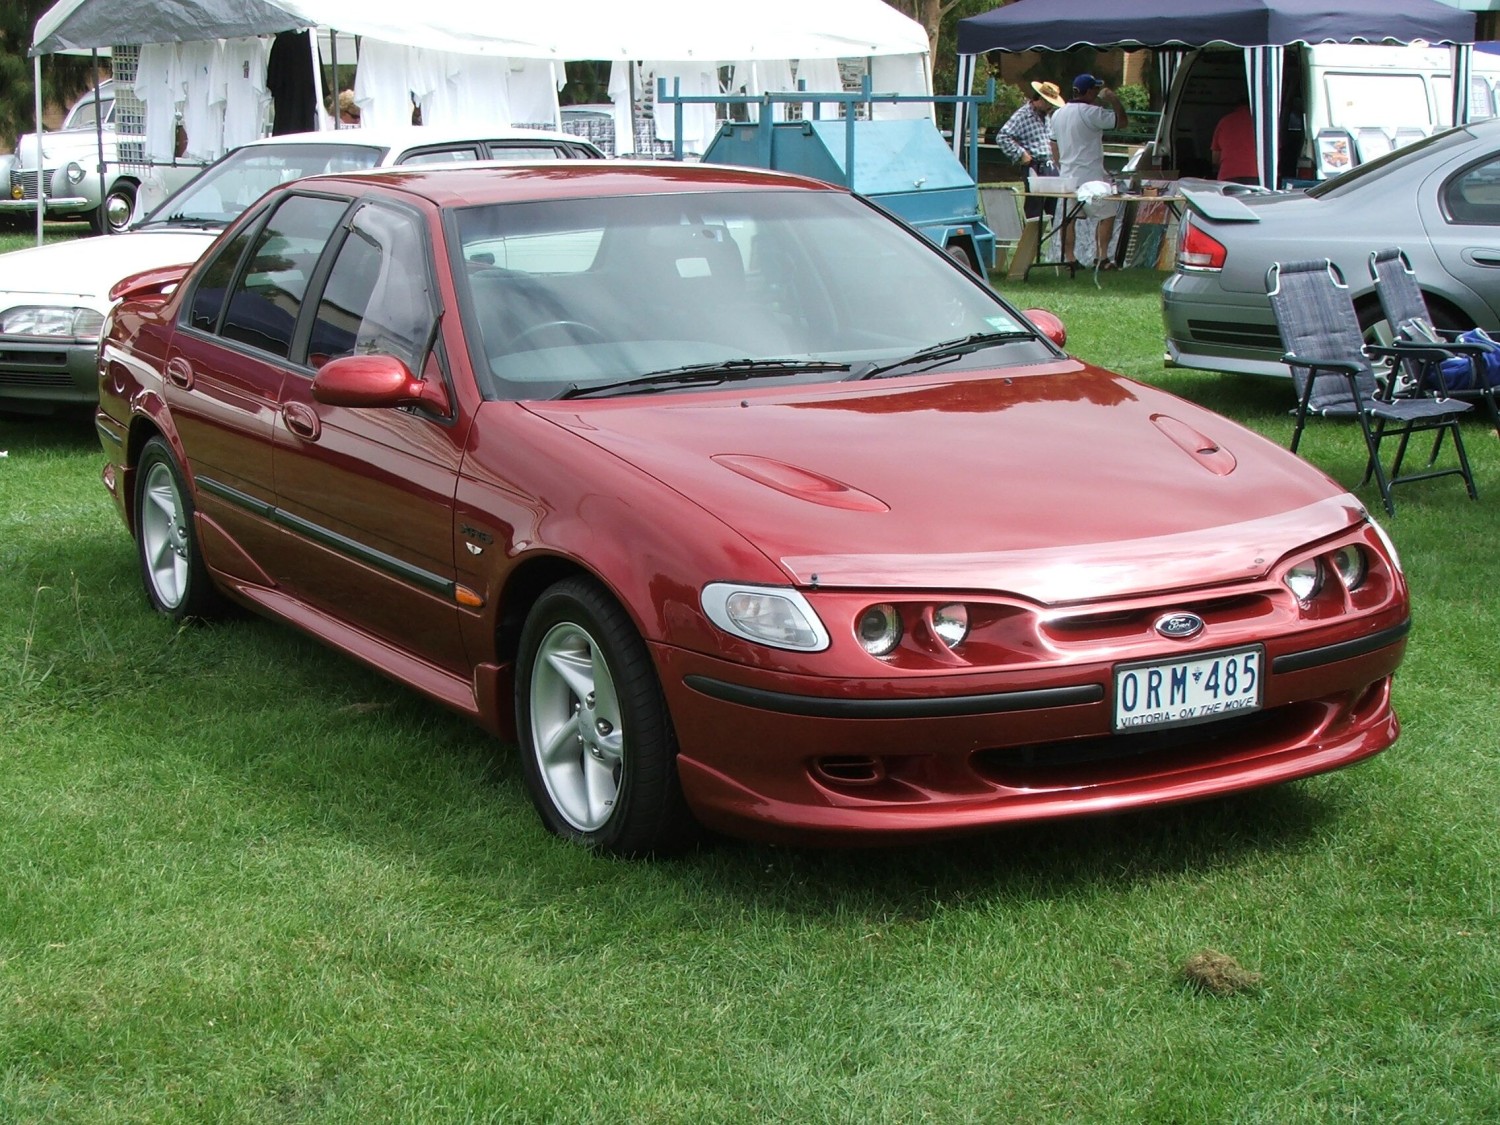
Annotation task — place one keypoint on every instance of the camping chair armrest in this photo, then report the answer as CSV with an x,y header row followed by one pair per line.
x,y
1411,349
1349,369
1337,366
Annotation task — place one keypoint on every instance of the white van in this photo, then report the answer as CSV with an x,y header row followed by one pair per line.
x,y
1341,104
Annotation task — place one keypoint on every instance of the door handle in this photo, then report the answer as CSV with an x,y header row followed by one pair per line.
x,y
1486,258
180,372
301,420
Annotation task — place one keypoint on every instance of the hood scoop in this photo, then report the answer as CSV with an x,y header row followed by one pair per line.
x,y
801,483
1205,450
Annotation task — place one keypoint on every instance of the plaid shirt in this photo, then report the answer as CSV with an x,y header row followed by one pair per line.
x,y
1027,132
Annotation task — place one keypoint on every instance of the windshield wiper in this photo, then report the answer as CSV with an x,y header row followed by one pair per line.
x,y
181,220
707,375
946,351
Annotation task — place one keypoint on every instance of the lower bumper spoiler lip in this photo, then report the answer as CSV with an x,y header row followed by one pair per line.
x,y
824,708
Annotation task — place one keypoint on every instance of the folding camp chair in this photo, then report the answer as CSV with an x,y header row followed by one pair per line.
x,y
1405,309
1334,377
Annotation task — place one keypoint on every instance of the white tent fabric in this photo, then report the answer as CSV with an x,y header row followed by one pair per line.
x,y
582,29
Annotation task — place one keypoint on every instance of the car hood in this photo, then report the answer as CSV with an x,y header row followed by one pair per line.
x,y
1060,483
83,269
64,145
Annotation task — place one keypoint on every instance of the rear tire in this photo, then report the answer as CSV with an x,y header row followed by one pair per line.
x,y
597,747
166,536
961,254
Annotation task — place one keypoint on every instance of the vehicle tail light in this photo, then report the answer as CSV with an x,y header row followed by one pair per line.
x,y
1198,250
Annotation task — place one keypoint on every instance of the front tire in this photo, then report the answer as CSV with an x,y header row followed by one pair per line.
x,y
597,746
166,536
113,214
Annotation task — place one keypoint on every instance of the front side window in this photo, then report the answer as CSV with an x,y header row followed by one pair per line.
x,y
265,300
378,299
213,283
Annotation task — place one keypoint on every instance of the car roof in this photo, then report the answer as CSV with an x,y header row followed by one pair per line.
x,y
418,136
460,185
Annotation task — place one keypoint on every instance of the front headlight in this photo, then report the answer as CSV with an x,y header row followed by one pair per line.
x,y
1305,579
51,320
769,615
74,172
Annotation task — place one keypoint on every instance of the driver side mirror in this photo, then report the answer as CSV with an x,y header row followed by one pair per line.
x,y
372,381
1048,324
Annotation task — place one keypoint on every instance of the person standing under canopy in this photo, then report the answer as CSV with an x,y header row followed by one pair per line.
x,y
1078,130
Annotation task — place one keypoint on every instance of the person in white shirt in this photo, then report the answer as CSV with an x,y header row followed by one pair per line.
x,y
1078,130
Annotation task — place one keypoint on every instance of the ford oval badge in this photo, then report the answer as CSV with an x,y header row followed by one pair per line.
x,y
1180,626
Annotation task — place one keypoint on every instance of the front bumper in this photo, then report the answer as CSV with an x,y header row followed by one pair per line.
x,y
790,758
1215,330
38,373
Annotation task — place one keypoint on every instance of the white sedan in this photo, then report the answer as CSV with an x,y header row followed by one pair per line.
x,y
53,298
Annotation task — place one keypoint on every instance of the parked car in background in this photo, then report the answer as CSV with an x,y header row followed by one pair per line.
x,y
70,169
53,298
1438,199
735,502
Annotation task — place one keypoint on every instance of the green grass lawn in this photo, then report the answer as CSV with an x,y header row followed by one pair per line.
x,y
245,880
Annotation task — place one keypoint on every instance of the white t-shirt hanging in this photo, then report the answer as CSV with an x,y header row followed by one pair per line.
x,y
242,67
699,120
383,83
203,99
533,92
158,83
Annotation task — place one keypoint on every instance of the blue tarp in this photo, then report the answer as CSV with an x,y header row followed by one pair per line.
x,y
1058,25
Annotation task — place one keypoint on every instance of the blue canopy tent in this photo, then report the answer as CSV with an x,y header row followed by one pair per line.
x,y
1261,27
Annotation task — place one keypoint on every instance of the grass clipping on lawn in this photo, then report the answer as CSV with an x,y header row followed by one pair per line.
x,y
1208,970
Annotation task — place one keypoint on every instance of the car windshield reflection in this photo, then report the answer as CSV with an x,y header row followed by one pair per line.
x,y
224,189
600,296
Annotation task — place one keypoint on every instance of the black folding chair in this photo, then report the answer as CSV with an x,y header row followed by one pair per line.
x,y
1405,308
1334,377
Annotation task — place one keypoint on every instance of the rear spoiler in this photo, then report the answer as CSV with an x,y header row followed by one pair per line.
x,y
1209,199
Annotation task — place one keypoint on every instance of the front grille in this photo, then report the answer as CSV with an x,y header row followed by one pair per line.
x,y
1078,761
26,181
1236,334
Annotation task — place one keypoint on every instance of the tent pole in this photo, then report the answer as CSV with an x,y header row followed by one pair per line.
x,y
99,139
333,54
41,192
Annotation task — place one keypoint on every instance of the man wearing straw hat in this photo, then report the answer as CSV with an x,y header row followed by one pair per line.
x,y
1027,140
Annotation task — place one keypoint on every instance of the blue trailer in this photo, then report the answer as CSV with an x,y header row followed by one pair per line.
x,y
905,166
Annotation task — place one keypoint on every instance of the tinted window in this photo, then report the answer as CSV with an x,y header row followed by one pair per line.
x,y
264,303
213,283
377,300
440,155
1473,196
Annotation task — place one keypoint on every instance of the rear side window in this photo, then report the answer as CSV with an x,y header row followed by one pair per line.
x,y
378,299
1473,196
264,303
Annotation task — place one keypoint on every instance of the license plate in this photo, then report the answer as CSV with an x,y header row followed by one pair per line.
x,y
1198,689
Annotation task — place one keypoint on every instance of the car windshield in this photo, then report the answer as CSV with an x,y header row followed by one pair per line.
x,y
650,293
1397,158
225,188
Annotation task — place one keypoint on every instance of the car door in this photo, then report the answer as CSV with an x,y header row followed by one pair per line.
x,y
227,361
368,493
1465,226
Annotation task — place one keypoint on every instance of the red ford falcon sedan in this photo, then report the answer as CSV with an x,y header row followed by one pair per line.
x,y
734,504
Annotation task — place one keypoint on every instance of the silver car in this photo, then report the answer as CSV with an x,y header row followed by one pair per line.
x,y
1438,199
53,298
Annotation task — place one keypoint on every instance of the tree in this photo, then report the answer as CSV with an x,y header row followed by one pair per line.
x,y
63,76
940,16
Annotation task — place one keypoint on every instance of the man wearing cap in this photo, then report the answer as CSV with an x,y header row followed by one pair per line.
x,y
1026,138
1078,143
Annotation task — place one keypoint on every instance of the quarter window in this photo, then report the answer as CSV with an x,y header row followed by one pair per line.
x,y
1473,196
265,301
213,283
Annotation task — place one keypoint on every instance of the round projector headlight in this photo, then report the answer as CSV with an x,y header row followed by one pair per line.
x,y
879,629
1305,579
951,624
1351,566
